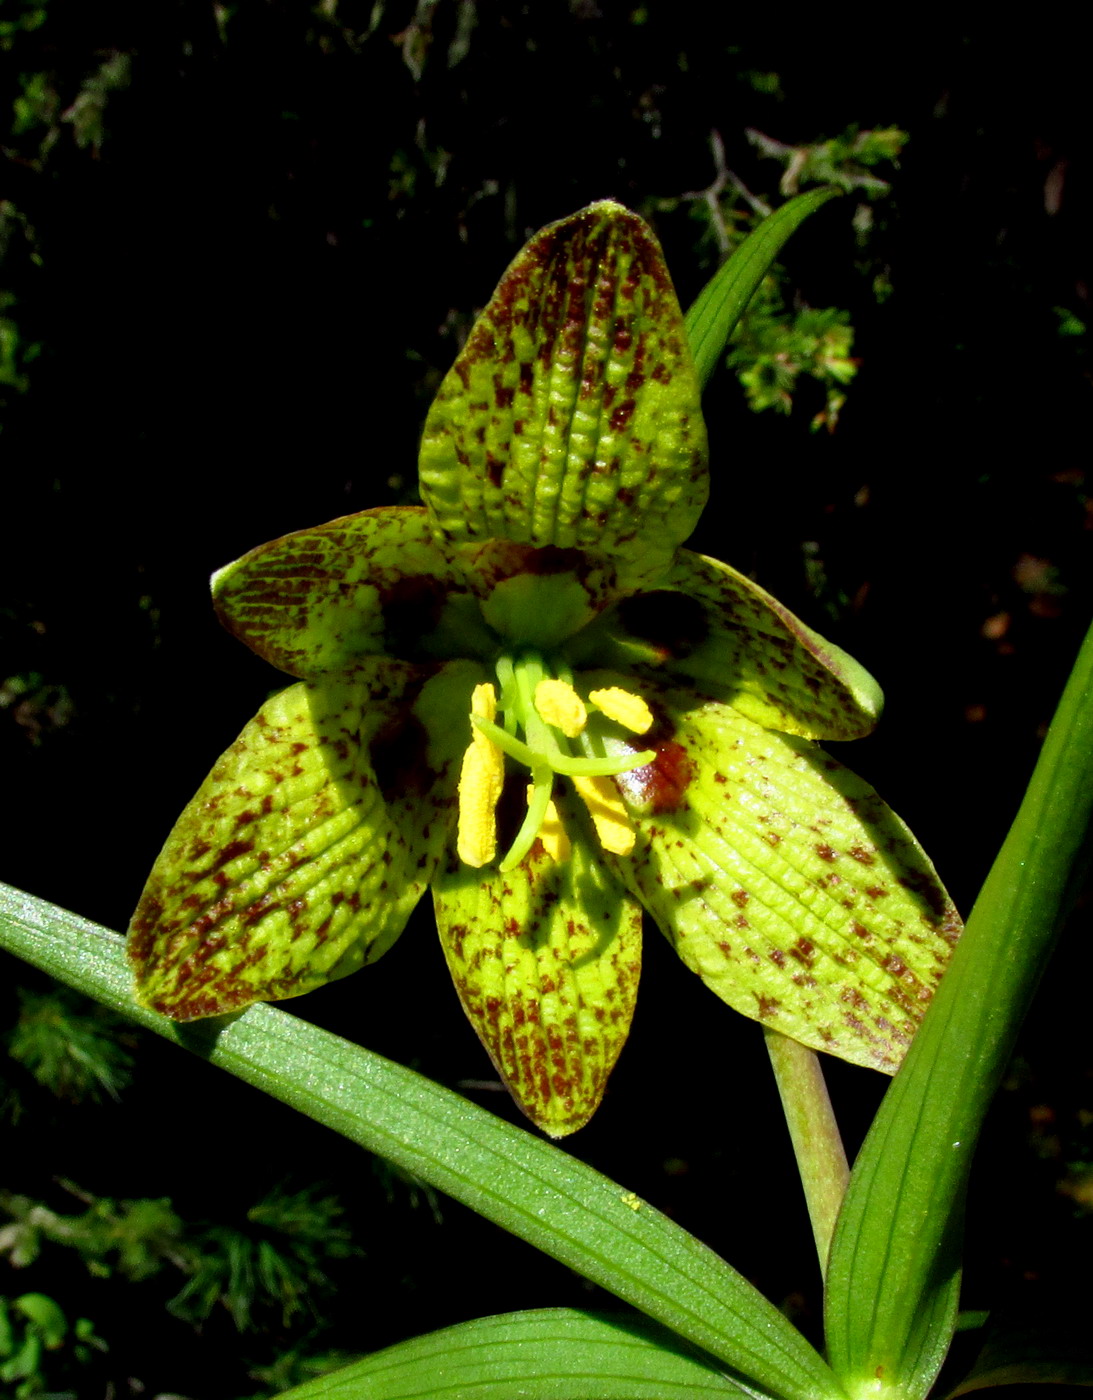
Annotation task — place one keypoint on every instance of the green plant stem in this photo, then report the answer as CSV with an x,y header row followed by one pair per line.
x,y
817,1143
894,1276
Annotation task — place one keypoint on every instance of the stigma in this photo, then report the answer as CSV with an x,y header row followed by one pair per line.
x,y
541,722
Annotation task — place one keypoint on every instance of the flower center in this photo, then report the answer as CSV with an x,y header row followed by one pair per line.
x,y
544,725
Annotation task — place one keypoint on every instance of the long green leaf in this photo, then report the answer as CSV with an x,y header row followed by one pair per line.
x,y
524,1184
723,300
894,1273
552,1354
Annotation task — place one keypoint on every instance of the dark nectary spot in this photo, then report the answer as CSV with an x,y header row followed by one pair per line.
x,y
398,754
552,560
411,610
673,622
661,786
504,559
512,808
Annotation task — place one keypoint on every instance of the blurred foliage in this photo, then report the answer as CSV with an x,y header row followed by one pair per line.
x,y
303,1362
780,338
15,355
772,350
267,1274
776,344
276,1263
32,1325
80,1052
133,1238
36,707
271,1265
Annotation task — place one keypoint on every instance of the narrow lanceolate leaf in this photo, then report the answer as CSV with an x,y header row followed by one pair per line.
x,y
724,299
307,847
376,583
546,959
710,626
552,1354
571,417
785,882
530,1188
894,1276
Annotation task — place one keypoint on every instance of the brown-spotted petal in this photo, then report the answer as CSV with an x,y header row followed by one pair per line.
x,y
785,882
546,959
571,417
375,583
709,627
303,853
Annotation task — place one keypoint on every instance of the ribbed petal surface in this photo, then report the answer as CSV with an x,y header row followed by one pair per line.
x,y
308,845
712,628
571,417
785,882
546,960
315,601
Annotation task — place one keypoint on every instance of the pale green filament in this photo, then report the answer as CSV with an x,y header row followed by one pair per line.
x,y
558,761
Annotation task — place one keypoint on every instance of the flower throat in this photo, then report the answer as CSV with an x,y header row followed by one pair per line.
x,y
536,716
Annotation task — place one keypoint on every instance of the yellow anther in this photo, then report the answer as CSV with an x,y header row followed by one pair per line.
x,y
484,702
559,704
605,807
480,781
630,711
552,833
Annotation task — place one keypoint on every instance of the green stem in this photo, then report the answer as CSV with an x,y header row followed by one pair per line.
x,y
817,1145
894,1277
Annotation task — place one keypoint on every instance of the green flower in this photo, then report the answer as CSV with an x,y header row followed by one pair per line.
x,y
525,695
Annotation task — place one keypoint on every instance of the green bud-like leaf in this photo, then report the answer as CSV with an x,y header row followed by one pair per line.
x,y
571,417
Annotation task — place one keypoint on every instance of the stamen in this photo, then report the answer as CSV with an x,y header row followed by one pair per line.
x,y
553,835
559,704
542,713
605,807
626,709
538,802
542,821
506,676
560,762
480,781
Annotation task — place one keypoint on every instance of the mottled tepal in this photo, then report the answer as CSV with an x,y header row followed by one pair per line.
x,y
527,696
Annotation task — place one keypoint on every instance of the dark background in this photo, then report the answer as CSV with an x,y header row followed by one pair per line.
x,y
245,294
